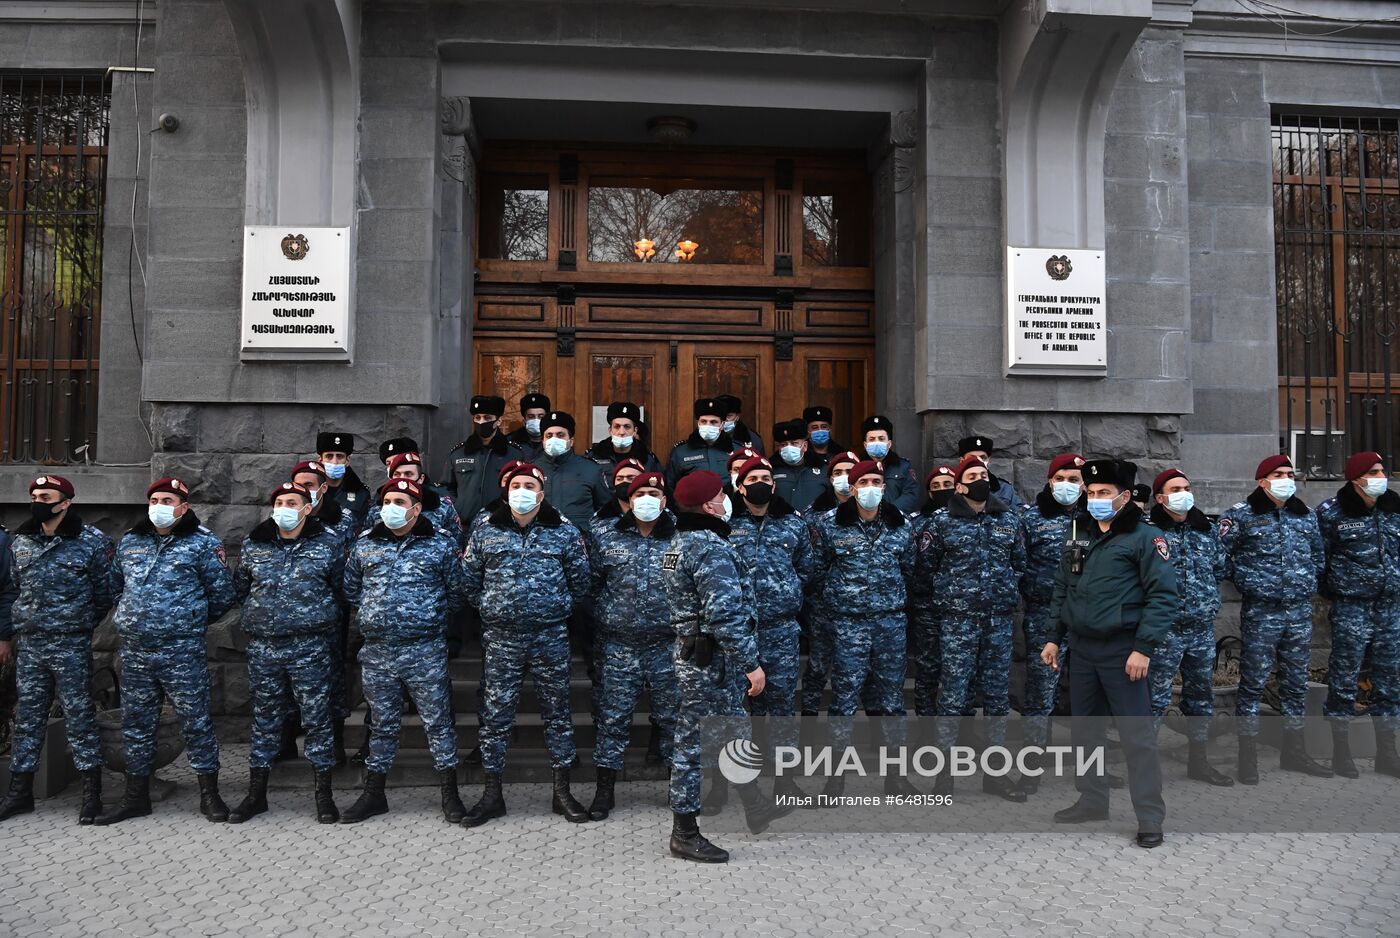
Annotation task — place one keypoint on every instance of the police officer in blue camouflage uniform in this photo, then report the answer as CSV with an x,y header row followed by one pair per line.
x,y
623,440
973,554
733,424
526,569
473,466
635,637
708,446
799,476
901,480
170,575
437,508
60,590
343,486
529,435
716,651
619,478
1053,517
1361,533
923,617
981,447
819,624
1274,555
290,572
1189,646
405,579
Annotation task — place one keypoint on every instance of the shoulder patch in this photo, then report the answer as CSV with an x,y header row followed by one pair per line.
x,y
222,554
925,540
1226,525
1163,551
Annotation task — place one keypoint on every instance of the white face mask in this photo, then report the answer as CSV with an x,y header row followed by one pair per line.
x,y
1282,489
286,518
728,509
532,426
162,516
622,442
729,426
394,516
522,501
842,484
709,434
1376,486
555,447
1181,502
646,508
792,455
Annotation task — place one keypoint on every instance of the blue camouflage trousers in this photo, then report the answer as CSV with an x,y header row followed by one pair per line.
x,y
976,653
386,667
1042,683
928,658
304,662
625,668
510,652
777,656
818,669
1357,625
868,649
1270,630
339,707
1188,647
714,691
46,664
178,669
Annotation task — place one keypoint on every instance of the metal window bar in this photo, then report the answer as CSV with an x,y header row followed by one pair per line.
x,y
53,172
1337,252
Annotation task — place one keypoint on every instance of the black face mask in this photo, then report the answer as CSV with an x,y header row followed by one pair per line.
x,y
979,490
41,512
620,491
940,498
758,493
484,430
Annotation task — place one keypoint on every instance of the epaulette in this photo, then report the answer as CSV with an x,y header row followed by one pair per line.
x,y
364,533
1238,505
204,529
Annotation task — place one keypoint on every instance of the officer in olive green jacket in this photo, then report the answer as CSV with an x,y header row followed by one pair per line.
x,y
1115,592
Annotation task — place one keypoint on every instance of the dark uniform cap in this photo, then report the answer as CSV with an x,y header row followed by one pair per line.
x,y
877,422
530,402
62,486
709,407
558,418
1142,493
982,444
170,485
408,486
289,488
401,444
817,413
730,403
488,404
332,441
624,409
1110,472
789,431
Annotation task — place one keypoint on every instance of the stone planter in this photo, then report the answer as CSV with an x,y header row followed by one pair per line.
x,y
55,770
169,744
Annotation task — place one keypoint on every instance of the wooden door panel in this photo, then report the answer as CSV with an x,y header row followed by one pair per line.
x,y
512,368
837,375
636,371
744,369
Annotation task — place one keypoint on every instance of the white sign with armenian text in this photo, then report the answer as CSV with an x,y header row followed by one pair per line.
x,y
296,290
1055,313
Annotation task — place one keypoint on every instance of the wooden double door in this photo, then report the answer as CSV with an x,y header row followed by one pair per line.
x,y
665,374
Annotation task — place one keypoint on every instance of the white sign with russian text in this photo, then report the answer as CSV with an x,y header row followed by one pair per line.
x,y
1055,312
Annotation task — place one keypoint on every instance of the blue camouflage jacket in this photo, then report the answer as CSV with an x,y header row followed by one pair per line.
x,y
8,591
64,581
1362,544
1272,555
440,512
1199,559
629,597
704,580
405,587
973,560
170,585
338,522
1048,525
863,566
523,578
901,487
777,550
290,586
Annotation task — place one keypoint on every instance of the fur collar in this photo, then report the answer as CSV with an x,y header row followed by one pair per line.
x,y
187,524
1049,508
350,482
1195,519
725,441
611,510
1261,503
266,532
70,526
664,528
1127,520
500,445
521,438
421,528
741,433
548,516
848,515
824,502
699,521
777,508
1353,507
959,508
604,450
329,511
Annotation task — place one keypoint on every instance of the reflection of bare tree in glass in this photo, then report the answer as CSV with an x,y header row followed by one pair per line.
x,y
819,229
525,224
727,224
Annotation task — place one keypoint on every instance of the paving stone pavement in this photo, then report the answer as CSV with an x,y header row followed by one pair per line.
x,y
410,874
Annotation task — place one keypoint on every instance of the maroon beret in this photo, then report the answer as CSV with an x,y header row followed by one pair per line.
x,y
942,470
866,467
757,462
309,465
54,483
743,454
1360,464
1270,463
1164,477
507,469
696,488
969,462
844,457
525,470
408,486
1065,461
628,463
404,459
647,480
290,488
170,485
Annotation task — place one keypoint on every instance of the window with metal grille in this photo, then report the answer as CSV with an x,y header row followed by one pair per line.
x,y
53,170
1337,246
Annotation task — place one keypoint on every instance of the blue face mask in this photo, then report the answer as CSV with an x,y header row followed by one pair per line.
x,y
555,447
842,484
1181,502
820,437
1101,509
1282,489
870,497
162,516
646,508
877,450
394,516
709,434
532,426
792,455
522,501
1066,493
334,470
1375,487
286,518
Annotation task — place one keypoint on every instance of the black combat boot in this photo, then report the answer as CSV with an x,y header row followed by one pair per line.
x,y
1200,770
716,797
1003,787
1247,770
603,802
943,784
255,802
136,801
338,743
326,811
1035,771
1342,763
452,808
689,844
288,751
491,804
900,786
654,746
1387,761
92,796
1294,757
210,804
835,786
370,803
564,801
20,799
758,811
787,796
